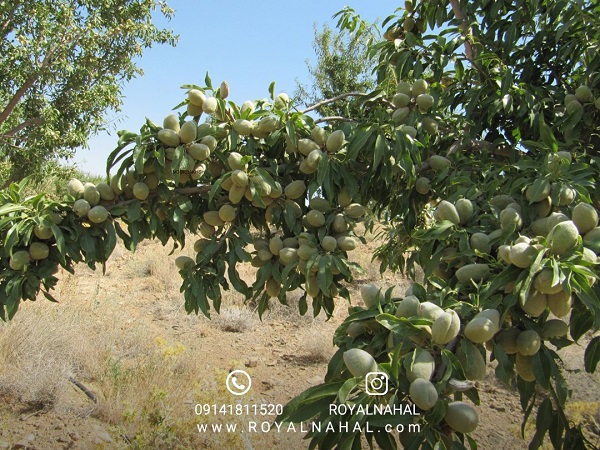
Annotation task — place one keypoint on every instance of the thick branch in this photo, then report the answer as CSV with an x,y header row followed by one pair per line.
x,y
27,123
184,191
334,99
30,81
334,119
84,389
466,30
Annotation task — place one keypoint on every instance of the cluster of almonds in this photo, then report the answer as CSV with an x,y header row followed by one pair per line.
x,y
418,364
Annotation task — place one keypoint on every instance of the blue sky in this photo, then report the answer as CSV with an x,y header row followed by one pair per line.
x,y
249,44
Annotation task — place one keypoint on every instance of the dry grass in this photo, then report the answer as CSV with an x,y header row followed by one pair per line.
x,y
235,319
39,351
127,338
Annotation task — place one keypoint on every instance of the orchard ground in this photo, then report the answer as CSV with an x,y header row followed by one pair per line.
x,y
126,337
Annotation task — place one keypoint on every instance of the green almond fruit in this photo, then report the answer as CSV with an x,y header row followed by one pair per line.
x,y
19,260
354,210
43,232
461,417
81,207
419,87
319,135
91,194
447,211
423,394
445,327
171,122
563,237
481,243
196,97
475,368
554,328
305,146
359,362
75,188
141,191
97,214
431,126
243,127
423,185
209,105
591,240
522,255
401,100
106,192
464,208
273,288
528,342
346,243
524,367
329,243
335,141
295,189
439,162
472,273
425,101
39,251
408,307
502,201
188,132
507,339
585,217
227,213
371,294
543,282
419,364
534,304
168,137
183,261
212,218
583,93
400,115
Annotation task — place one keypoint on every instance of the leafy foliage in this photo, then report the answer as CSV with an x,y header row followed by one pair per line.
x,y
479,157
63,66
343,65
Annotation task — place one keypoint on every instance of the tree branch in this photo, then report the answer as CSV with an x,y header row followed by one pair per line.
x,y
334,99
184,191
31,80
84,389
334,119
466,30
27,123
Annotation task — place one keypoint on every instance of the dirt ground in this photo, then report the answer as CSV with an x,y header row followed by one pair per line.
x,y
126,337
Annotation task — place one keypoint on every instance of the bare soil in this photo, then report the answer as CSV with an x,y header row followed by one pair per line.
x,y
126,337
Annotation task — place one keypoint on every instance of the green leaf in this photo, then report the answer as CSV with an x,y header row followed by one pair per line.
x,y
208,81
381,150
592,355
546,134
8,208
542,424
358,142
272,90
326,391
542,368
134,211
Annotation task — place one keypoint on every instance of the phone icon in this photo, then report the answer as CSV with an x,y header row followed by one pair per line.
x,y
238,382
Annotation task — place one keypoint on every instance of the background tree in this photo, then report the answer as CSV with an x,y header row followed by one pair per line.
x,y
343,65
62,68
478,150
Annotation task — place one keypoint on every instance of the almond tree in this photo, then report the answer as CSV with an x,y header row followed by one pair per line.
x,y
62,67
478,152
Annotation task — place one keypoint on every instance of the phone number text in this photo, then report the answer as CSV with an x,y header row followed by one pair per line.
x,y
265,409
